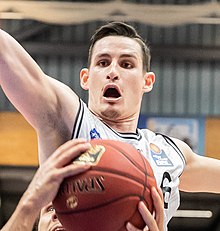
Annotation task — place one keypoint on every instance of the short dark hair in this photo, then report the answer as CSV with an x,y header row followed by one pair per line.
x,y
121,29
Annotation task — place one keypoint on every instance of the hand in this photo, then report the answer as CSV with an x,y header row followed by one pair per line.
x,y
45,184
153,223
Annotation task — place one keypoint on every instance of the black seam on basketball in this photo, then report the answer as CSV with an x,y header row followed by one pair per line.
x,y
146,175
124,154
133,162
146,182
120,173
99,206
137,166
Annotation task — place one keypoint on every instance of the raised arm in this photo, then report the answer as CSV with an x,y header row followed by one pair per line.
x,y
201,173
21,79
32,92
47,104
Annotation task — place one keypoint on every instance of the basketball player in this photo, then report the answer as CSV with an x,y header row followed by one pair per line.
x,y
44,186
43,189
117,77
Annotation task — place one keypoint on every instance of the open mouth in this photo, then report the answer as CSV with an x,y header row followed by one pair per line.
x,y
112,92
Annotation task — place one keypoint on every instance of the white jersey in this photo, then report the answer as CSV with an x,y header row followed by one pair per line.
x,y
161,152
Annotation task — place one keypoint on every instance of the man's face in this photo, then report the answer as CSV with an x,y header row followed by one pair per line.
x,y
48,220
116,80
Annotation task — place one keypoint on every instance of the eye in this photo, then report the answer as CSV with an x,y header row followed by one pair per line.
x,y
50,209
103,63
127,65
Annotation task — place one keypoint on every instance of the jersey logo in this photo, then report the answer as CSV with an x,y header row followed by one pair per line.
x,y
159,156
94,134
92,156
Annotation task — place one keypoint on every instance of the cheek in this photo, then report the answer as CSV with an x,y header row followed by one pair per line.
x,y
96,83
134,91
95,78
44,223
135,85
94,86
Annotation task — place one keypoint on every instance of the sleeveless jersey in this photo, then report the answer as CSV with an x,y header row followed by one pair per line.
x,y
165,158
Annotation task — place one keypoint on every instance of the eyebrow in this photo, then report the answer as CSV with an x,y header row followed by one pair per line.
x,y
128,56
102,55
121,56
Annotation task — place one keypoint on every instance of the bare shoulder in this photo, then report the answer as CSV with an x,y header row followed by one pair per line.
x,y
185,149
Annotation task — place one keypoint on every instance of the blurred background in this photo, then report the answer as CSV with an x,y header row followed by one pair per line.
x,y
184,38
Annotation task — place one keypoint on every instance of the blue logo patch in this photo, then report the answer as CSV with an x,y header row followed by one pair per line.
x,y
159,156
94,134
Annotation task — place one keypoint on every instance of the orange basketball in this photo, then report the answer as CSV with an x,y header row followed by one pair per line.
x,y
106,196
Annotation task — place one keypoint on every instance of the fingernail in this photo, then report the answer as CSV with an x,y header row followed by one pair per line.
x,y
82,139
141,205
88,145
82,163
153,189
128,225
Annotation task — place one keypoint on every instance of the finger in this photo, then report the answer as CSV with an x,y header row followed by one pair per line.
x,y
70,153
160,192
73,169
131,227
71,143
147,216
158,205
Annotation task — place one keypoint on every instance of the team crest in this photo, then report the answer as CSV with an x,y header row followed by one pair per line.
x,y
159,156
94,134
92,155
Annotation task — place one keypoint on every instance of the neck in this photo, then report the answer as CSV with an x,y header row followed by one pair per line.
x,y
124,125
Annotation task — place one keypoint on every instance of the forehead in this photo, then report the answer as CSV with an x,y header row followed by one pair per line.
x,y
117,45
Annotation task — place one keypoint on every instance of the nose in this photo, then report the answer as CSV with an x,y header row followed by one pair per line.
x,y
113,72
54,216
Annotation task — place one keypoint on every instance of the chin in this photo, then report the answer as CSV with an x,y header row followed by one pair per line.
x,y
111,114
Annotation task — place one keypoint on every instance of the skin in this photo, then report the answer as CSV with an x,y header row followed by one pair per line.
x,y
153,223
44,187
49,221
116,61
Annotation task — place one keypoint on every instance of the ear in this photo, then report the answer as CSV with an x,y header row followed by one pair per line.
x,y
149,79
84,76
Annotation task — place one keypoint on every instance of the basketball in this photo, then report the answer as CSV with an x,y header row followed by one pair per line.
x,y
106,196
